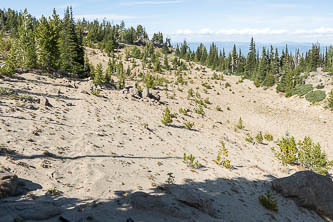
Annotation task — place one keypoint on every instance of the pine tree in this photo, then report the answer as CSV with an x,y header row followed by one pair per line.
x,y
25,44
166,62
71,56
98,77
47,45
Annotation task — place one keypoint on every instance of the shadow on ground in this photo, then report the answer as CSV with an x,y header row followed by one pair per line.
x,y
210,200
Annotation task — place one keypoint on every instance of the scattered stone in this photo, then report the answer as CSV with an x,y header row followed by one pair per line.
x,y
8,184
193,198
34,210
45,102
134,92
145,93
309,190
155,95
157,204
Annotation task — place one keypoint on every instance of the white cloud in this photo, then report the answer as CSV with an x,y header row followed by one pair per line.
x,y
150,3
246,31
319,31
104,16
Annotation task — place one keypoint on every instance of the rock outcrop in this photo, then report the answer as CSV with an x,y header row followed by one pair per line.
x,y
309,190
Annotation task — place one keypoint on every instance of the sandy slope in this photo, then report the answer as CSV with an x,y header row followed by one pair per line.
x,y
100,149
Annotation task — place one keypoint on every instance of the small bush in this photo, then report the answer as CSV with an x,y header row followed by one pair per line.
x,y
311,157
240,124
288,150
190,161
222,157
268,202
316,96
268,137
218,108
259,138
166,118
189,125
183,111
199,110
249,138
190,93
301,90
207,101
96,92
306,153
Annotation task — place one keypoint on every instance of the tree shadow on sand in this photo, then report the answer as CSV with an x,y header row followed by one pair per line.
x,y
210,200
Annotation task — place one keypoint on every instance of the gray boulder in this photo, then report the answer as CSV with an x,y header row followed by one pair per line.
x,y
309,190
157,204
8,184
193,198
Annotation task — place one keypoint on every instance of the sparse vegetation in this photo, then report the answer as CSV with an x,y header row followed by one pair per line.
x,y
306,153
190,161
240,124
222,157
268,137
249,138
166,118
316,96
260,138
269,202
189,125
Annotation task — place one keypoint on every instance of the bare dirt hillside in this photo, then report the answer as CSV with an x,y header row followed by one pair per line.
x,y
96,154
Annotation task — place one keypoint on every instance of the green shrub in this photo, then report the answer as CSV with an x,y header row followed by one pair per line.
x,y
190,161
96,92
199,110
259,138
311,157
288,150
218,108
183,111
306,153
190,93
166,118
316,96
6,91
268,137
222,157
268,202
240,124
249,138
301,90
189,125
207,101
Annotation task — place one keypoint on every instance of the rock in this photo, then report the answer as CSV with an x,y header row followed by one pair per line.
x,y
145,93
134,92
8,184
309,190
45,102
155,95
193,198
157,204
35,210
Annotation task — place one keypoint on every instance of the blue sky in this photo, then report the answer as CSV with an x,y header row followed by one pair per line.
x,y
206,20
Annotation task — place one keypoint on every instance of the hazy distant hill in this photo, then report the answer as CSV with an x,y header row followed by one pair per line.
x,y
244,46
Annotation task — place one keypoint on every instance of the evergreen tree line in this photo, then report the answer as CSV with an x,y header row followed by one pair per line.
x,y
265,68
56,44
48,44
